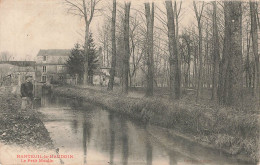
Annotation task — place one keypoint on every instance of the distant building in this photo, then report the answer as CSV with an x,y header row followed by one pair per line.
x,y
14,72
101,76
51,65
51,68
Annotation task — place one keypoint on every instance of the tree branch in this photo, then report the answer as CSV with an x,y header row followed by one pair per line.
x,y
74,5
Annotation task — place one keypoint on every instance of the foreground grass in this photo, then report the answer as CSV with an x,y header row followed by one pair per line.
x,y
233,130
22,128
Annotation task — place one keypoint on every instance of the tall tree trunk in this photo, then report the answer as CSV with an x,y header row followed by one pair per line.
x,y
188,68
174,78
178,71
85,76
206,59
113,64
253,13
216,55
131,75
199,87
187,41
126,49
150,61
108,64
231,82
235,93
198,17
195,70
223,67
87,23
248,36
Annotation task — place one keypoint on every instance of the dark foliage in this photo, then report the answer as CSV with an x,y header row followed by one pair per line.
x,y
92,56
75,62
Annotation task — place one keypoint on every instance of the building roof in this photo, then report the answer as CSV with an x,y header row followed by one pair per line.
x,y
54,52
98,72
105,67
19,63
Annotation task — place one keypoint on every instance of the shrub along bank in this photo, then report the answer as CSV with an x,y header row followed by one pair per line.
x,y
22,128
232,130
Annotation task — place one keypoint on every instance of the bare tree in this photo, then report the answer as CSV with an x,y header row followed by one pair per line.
x,y
137,42
84,9
187,40
104,38
231,77
198,17
177,15
216,55
126,49
113,64
174,77
254,32
247,63
149,13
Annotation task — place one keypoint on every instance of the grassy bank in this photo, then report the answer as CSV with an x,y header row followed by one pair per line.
x,y
22,128
233,130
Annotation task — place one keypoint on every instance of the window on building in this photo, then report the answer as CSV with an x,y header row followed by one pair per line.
x,y
61,78
43,68
44,58
60,60
59,69
44,78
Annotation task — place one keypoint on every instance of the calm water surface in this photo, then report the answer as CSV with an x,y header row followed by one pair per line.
x,y
95,136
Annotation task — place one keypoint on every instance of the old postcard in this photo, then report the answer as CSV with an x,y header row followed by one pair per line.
x,y
115,82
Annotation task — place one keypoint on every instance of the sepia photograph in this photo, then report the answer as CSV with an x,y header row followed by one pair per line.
x,y
129,82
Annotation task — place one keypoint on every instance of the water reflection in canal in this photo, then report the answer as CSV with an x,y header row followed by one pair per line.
x,y
95,137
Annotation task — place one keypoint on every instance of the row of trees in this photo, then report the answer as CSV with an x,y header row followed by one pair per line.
x,y
5,56
219,51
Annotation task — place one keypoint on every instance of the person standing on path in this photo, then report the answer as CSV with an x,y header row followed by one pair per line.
x,y
27,93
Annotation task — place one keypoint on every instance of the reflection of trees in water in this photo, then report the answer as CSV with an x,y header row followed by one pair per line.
x,y
73,103
125,148
118,125
148,145
76,103
53,100
87,126
149,152
46,95
74,125
46,100
112,137
100,120
173,158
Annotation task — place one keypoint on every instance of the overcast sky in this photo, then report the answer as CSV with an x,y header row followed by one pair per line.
x,y
26,26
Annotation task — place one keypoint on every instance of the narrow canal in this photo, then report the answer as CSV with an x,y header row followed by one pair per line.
x,y
95,136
